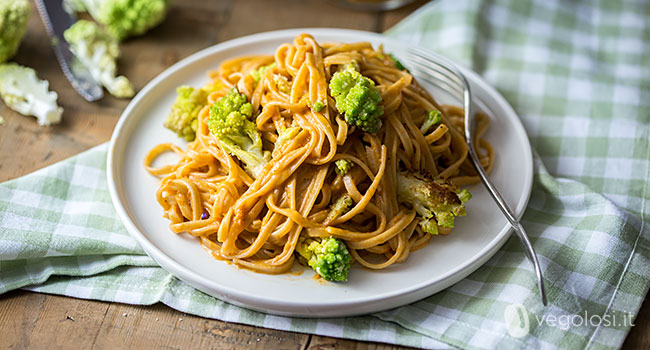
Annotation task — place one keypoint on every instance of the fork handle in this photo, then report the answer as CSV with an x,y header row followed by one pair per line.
x,y
507,212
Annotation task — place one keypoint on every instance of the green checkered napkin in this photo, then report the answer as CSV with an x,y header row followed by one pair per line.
x,y
578,74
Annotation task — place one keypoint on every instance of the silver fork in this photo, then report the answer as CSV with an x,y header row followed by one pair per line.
x,y
441,72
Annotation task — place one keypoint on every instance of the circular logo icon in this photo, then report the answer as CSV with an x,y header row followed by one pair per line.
x,y
516,319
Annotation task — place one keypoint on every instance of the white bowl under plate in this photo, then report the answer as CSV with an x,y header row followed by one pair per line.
x,y
445,261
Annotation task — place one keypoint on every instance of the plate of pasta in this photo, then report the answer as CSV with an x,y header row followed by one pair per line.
x,y
309,172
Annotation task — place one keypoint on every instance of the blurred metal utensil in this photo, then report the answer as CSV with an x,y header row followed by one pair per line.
x,y
372,5
441,72
56,21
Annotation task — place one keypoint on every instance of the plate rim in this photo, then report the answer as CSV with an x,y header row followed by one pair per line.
x,y
290,307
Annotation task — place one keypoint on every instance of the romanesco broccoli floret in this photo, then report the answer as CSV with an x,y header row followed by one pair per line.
x,y
282,83
318,106
71,6
229,123
13,25
464,196
432,118
98,51
23,92
183,117
341,206
286,135
124,18
343,166
329,257
357,98
437,202
258,73
429,225
353,64
397,63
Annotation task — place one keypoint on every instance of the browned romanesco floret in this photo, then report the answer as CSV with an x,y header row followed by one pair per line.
x,y
437,202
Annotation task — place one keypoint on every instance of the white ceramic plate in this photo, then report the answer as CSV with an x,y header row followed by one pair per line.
x,y
445,261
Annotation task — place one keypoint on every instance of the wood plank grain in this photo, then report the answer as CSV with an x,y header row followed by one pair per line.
x,y
154,327
19,312
327,343
42,321
249,17
31,320
391,18
639,336
61,317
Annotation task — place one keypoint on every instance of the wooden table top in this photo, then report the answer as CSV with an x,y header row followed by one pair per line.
x,y
32,320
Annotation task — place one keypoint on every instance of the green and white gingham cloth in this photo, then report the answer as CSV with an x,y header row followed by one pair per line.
x,y
577,73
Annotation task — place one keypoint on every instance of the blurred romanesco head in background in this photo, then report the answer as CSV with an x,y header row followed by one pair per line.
x,y
13,25
123,18
98,51
22,91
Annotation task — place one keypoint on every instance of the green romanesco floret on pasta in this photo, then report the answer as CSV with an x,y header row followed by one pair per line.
x,y
98,51
429,225
183,117
329,257
282,83
123,18
437,202
397,63
341,206
357,98
258,73
13,25
343,166
353,64
286,135
229,123
318,106
432,118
